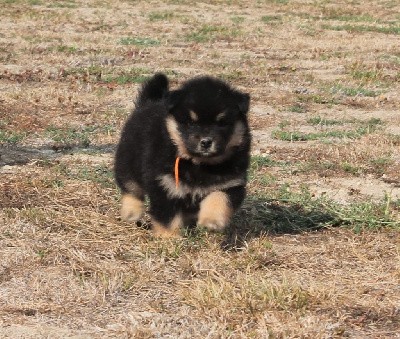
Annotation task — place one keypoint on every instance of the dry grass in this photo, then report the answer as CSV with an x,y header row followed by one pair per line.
x,y
69,267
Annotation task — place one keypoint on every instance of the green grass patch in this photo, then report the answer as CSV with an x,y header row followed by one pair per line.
x,y
283,210
326,122
99,174
209,33
125,79
70,137
91,70
393,29
354,91
258,171
287,209
368,215
364,127
334,54
338,15
350,168
232,75
28,2
66,49
10,137
279,2
323,99
364,73
161,16
138,41
379,165
133,75
237,19
298,108
114,75
298,136
63,4
257,163
391,58
271,19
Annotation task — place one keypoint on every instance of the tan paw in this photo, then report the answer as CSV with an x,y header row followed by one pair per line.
x,y
132,208
167,231
215,211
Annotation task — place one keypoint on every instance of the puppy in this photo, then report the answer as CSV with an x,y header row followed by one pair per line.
x,y
188,150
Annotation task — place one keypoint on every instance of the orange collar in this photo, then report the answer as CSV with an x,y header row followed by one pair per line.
x,y
177,172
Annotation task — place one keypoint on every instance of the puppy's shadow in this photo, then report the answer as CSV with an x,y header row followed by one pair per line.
x,y
259,217
21,155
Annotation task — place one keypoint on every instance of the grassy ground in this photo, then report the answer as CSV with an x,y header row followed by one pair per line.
x,y
313,253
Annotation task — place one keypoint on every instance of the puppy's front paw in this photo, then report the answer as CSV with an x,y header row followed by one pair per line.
x,y
213,224
132,208
172,230
215,211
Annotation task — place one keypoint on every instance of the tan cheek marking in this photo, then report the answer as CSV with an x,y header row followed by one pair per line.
x,y
172,127
215,211
194,116
220,116
132,208
237,136
168,231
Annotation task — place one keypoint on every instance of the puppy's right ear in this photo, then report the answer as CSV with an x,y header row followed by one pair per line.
x,y
174,98
243,102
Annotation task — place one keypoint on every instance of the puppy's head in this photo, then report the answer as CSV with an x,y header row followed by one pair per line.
x,y
207,119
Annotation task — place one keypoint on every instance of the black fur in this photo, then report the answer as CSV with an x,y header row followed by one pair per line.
x,y
215,156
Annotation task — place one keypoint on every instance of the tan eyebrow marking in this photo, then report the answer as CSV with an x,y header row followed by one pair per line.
x,y
194,116
220,116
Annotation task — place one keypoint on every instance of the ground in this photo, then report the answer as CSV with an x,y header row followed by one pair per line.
x,y
314,251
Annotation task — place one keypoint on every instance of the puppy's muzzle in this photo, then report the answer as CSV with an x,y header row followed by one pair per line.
x,y
206,144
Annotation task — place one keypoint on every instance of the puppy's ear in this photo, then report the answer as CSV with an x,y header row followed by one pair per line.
x,y
154,89
174,98
243,102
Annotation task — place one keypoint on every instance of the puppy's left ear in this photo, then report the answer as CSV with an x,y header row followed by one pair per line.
x,y
243,102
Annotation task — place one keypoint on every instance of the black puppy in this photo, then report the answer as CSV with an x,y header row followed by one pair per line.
x,y
188,150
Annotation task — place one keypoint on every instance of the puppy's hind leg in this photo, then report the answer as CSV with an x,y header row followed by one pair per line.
x,y
132,206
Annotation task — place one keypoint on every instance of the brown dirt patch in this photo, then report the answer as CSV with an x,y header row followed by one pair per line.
x,y
69,267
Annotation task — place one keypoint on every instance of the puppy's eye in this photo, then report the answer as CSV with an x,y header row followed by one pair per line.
x,y
221,119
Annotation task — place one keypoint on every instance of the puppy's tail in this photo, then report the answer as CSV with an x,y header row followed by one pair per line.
x,y
154,89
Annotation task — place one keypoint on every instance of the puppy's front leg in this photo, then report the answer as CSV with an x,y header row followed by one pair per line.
x,y
166,217
170,229
215,211
218,207
132,207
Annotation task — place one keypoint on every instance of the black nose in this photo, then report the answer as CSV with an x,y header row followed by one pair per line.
x,y
206,143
